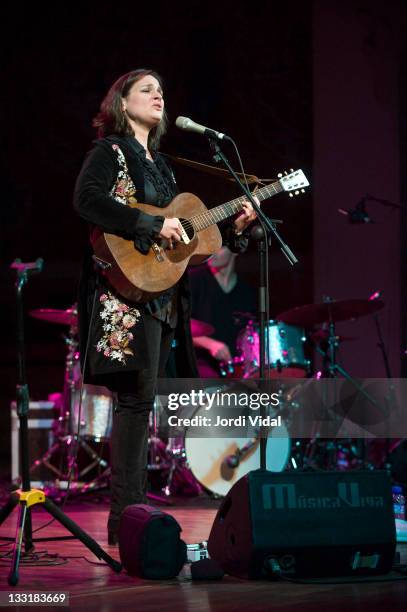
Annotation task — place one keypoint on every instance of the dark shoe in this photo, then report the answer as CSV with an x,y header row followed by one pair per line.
x,y
112,538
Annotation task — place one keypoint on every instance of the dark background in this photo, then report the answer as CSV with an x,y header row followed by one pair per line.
x,y
244,68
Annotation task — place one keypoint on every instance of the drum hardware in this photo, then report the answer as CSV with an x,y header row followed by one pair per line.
x,y
180,477
330,310
323,454
321,335
72,433
169,458
336,455
158,458
285,356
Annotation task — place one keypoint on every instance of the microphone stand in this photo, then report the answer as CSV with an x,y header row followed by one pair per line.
x,y
26,497
266,230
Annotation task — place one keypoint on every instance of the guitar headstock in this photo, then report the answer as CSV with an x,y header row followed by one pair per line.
x,y
294,182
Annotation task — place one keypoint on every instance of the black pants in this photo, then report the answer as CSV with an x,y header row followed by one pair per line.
x,y
129,442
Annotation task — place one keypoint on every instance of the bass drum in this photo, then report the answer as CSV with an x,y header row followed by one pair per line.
x,y
208,457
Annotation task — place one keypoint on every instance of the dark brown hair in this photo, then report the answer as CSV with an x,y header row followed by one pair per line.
x,y
111,119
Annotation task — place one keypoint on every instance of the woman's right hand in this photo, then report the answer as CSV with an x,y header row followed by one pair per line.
x,y
171,231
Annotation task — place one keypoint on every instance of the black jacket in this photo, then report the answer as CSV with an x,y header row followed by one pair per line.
x,y
99,201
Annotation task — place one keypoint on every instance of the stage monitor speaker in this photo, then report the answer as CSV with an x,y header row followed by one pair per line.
x,y
305,524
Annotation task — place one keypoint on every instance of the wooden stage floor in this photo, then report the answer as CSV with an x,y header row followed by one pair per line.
x,y
97,587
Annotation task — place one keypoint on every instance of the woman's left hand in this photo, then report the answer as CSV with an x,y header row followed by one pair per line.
x,y
247,215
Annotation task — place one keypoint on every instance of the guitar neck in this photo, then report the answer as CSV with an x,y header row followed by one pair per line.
x,y
228,209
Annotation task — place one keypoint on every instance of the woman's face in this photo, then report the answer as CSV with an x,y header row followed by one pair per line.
x,y
144,104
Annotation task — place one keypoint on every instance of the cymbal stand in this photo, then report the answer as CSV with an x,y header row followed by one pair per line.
x,y
63,427
158,456
73,416
333,370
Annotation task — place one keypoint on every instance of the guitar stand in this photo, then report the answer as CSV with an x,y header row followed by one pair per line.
x,y
25,498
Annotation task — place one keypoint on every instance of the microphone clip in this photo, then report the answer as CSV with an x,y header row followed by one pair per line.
x,y
359,214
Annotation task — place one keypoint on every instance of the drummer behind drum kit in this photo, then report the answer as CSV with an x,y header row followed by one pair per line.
x,y
215,463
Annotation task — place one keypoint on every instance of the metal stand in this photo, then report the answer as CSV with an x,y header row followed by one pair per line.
x,y
332,371
26,497
158,457
267,229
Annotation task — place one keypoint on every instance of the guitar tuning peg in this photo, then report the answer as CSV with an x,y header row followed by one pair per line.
x,y
291,169
279,175
297,192
285,172
302,190
291,195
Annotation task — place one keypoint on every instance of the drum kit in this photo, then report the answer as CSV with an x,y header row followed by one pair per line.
x,y
186,463
84,416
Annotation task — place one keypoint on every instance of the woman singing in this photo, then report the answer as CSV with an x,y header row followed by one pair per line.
x,y
127,344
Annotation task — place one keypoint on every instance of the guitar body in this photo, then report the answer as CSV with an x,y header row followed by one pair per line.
x,y
139,277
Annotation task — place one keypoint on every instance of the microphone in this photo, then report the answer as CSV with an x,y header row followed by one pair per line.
x,y
233,461
358,214
184,123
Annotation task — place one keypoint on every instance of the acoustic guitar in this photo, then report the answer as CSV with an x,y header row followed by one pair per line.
x,y
139,277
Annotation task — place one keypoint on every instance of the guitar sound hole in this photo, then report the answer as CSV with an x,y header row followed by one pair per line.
x,y
187,225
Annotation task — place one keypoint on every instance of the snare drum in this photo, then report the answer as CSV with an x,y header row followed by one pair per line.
x,y
96,413
96,410
285,353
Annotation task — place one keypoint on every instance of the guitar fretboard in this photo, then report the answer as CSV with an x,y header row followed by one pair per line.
x,y
205,219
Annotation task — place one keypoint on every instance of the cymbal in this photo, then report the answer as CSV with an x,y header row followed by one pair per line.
x,y
342,310
200,328
52,315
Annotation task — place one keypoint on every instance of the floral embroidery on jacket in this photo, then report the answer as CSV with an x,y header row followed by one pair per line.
x,y
118,319
124,189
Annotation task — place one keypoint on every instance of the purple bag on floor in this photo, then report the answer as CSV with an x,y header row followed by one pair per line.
x,y
149,543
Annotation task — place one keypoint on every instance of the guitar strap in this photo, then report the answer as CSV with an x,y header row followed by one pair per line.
x,y
251,178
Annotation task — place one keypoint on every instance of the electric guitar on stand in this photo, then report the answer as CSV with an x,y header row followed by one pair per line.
x,y
139,277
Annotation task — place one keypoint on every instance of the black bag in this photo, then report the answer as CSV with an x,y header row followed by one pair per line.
x,y
149,543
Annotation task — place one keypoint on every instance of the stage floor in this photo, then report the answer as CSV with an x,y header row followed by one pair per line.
x,y
97,587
